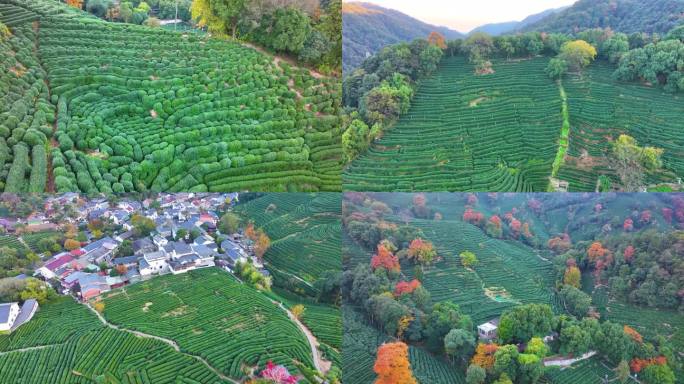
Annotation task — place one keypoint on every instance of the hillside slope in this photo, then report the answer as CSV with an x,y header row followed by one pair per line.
x,y
501,132
496,29
366,28
651,16
122,107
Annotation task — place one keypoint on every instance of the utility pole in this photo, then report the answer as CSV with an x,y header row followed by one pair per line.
x,y
175,21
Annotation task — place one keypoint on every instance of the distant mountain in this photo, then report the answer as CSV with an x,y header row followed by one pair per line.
x,y
366,28
620,15
496,29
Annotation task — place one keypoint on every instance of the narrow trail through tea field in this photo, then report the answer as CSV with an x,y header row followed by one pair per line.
x,y
564,140
170,342
321,365
50,183
34,348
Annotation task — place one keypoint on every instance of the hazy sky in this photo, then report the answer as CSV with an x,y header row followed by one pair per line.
x,y
464,15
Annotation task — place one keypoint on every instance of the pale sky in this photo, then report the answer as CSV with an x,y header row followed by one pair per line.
x,y
465,15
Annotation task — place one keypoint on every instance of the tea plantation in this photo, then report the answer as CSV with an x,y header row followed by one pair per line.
x,y
65,343
600,108
95,106
525,276
211,314
304,230
468,133
502,131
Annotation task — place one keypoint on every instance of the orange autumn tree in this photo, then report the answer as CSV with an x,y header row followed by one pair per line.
x,y
250,232
637,365
261,244
631,332
71,244
75,3
421,251
560,244
601,257
596,251
437,39
484,355
121,269
385,259
392,364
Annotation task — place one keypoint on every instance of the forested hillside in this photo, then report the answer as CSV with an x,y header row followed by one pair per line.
x,y
496,29
560,274
628,16
111,107
587,111
367,28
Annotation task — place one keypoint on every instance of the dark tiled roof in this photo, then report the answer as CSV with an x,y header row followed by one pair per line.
x,y
125,260
4,312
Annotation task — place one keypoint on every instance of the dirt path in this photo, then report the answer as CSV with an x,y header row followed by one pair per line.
x,y
21,240
172,343
50,184
564,140
320,364
31,348
277,59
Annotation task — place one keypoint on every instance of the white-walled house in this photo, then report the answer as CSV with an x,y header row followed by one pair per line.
x,y
153,263
159,241
8,314
488,330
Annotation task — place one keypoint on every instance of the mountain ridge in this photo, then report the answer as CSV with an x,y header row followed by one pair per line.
x,y
367,28
496,29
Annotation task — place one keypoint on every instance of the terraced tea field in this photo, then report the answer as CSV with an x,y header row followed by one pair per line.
x,y
211,314
524,275
95,106
65,343
502,132
323,320
469,133
650,322
304,230
590,371
601,108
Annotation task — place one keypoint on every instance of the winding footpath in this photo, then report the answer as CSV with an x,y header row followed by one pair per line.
x,y
564,140
320,364
37,347
170,342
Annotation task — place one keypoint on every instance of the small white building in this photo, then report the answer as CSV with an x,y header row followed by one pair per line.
x,y
159,241
488,330
8,314
153,263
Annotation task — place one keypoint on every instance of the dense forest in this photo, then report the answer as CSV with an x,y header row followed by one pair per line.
x,y
564,275
627,16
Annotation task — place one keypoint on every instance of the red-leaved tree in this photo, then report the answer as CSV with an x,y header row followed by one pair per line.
x,y
403,287
385,259
628,254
